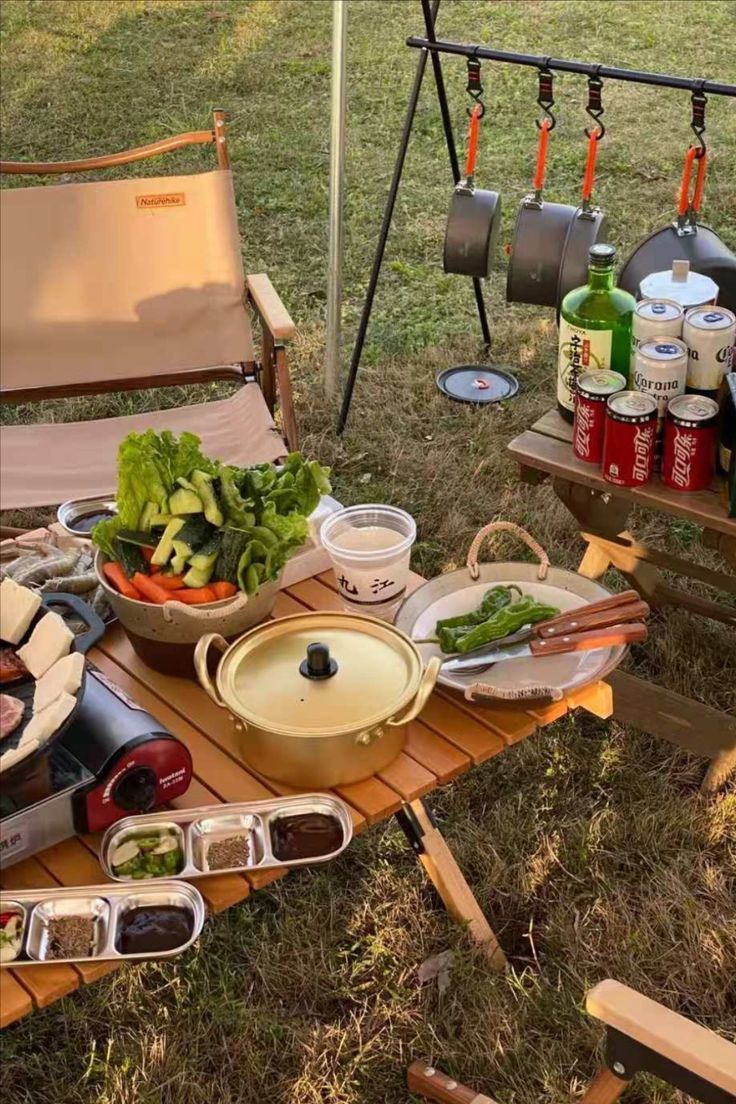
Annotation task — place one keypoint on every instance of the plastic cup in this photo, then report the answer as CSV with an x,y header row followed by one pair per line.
x,y
370,548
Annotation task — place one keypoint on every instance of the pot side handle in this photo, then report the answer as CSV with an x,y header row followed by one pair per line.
x,y
426,686
200,663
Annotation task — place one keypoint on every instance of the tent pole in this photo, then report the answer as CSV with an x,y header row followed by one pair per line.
x,y
337,174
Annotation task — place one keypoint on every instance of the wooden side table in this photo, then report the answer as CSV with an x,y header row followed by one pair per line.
x,y
602,512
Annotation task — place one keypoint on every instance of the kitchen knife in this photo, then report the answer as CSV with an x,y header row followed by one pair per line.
x,y
603,637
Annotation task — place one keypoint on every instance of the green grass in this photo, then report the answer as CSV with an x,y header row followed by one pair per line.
x,y
590,848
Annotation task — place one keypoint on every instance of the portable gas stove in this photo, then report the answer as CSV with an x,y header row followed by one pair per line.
x,y
114,759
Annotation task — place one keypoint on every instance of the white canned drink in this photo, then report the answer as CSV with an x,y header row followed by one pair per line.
x,y
710,335
654,318
660,370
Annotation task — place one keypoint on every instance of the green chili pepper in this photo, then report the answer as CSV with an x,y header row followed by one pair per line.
x,y
507,620
494,599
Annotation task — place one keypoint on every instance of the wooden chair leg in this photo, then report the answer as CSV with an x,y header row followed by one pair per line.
x,y
606,1088
448,879
286,397
424,1080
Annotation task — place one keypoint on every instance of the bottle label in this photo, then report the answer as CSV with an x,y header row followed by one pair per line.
x,y
580,351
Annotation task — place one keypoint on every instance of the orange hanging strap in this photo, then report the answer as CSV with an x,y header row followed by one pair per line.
x,y
699,181
589,176
544,130
473,141
687,173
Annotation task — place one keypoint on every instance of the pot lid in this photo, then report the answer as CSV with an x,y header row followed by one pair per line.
x,y
319,674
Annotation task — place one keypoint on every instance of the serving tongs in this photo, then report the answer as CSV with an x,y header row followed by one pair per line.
x,y
614,621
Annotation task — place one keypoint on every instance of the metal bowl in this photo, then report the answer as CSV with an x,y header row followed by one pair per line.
x,y
71,511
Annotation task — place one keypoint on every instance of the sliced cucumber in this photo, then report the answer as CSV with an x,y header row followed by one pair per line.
x,y
196,577
186,484
203,486
180,560
133,536
161,519
204,558
185,502
148,513
165,547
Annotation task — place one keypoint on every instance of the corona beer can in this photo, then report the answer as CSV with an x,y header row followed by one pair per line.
x,y
654,318
710,335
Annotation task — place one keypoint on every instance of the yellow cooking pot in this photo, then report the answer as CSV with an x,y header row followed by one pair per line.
x,y
318,699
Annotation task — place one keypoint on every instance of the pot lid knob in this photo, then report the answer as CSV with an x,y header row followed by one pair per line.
x,y
318,664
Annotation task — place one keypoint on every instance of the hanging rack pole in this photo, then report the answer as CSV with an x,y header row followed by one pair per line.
x,y
562,65
333,344
383,236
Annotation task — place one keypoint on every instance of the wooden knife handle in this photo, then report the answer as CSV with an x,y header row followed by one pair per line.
x,y
425,1080
586,641
586,618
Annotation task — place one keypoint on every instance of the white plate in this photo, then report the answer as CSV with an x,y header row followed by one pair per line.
x,y
563,673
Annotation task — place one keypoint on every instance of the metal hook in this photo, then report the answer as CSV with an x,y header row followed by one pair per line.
x,y
594,106
698,101
545,99
474,87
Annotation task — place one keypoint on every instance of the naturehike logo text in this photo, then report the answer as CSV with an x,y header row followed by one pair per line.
x,y
169,199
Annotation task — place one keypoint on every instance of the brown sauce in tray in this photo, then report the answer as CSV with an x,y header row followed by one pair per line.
x,y
147,929
85,523
305,836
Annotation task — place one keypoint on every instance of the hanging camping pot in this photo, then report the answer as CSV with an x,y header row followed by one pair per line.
x,y
475,214
539,237
587,227
685,239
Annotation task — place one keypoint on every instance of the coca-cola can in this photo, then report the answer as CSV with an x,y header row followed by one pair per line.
x,y
691,428
710,335
628,442
652,319
592,391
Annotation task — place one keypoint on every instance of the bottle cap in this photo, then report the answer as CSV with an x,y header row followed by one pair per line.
x,y
602,255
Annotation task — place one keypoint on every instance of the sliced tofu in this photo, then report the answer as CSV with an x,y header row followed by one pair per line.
x,y
50,640
16,754
44,724
18,607
64,676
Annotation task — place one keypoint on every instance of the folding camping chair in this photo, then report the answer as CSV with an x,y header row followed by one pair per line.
x,y
641,1037
129,284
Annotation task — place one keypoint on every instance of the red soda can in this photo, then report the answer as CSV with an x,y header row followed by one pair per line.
x,y
592,390
628,442
690,432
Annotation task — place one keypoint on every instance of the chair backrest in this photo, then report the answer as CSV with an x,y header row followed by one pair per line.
x,y
120,282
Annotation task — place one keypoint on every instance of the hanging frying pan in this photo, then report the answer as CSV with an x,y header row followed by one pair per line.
x,y
475,214
685,239
539,236
586,228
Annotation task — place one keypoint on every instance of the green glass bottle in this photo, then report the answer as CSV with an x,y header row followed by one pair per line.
x,y
595,328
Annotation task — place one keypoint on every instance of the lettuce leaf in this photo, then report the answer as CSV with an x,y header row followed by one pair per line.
x,y
149,465
104,534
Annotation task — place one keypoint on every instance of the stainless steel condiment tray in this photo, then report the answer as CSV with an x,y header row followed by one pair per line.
x,y
202,827
105,906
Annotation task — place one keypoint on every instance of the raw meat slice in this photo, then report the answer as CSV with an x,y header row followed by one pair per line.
x,y
11,711
64,676
18,607
50,640
44,724
11,668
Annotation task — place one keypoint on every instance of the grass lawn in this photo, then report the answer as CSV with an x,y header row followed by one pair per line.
x,y
589,846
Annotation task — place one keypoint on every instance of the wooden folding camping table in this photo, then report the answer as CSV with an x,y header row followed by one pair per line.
x,y
450,738
602,510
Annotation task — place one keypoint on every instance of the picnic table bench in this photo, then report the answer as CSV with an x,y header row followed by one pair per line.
x,y
450,738
602,511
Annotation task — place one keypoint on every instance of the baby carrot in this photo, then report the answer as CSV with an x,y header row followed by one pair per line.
x,y
118,578
170,582
150,590
192,596
223,590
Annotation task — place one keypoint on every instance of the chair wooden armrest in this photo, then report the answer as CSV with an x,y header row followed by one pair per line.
x,y
269,307
668,1034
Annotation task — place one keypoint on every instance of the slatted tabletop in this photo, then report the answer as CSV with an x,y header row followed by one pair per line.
x,y
451,737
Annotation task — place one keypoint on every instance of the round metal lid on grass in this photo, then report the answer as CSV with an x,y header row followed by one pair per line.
x,y
477,384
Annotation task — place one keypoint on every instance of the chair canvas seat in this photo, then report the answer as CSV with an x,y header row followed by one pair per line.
x,y
43,465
